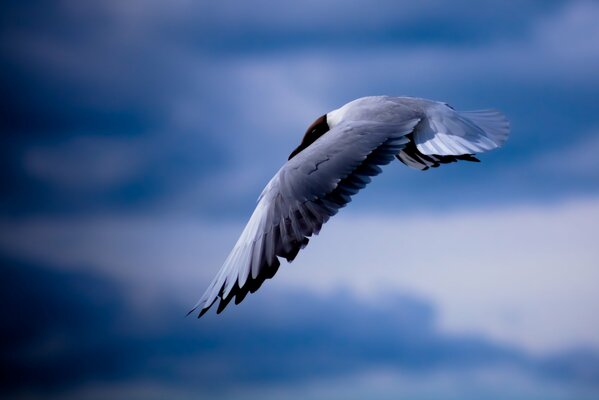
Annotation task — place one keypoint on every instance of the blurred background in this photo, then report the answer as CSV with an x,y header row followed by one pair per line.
x,y
137,135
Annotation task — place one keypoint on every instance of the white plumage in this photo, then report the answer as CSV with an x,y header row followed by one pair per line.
x,y
339,154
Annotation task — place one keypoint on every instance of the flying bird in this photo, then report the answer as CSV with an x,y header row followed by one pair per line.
x,y
336,158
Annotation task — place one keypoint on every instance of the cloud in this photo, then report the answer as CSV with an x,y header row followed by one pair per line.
x,y
197,91
575,160
522,276
572,32
86,162
89,338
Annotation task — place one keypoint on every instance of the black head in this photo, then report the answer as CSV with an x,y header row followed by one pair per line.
x,y
316,130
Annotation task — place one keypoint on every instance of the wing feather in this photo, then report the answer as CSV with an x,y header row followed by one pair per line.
x,y
447,132
412,157
308,190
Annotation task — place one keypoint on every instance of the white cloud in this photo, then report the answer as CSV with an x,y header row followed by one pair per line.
x,y
146,253
524,276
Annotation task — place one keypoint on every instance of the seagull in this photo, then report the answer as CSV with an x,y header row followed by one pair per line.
x,y
339,154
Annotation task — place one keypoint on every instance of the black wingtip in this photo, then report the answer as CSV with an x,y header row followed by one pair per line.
x,y
240,296
222,304
200,313
204,311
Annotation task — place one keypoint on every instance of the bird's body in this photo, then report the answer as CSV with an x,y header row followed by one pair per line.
x,y
337,157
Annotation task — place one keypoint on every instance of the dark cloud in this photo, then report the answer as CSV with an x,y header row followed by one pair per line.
x,y
103,67
192,91
62,330
46,313
233,26
76,71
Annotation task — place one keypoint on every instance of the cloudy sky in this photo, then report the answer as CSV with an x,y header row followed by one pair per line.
x,y
137,135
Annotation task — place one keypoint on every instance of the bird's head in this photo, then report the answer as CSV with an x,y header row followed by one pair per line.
x,y
314,131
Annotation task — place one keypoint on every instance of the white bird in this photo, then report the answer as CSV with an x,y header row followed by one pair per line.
x,y
337,157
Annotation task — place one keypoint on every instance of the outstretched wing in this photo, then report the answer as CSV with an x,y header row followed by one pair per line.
x,y
299,199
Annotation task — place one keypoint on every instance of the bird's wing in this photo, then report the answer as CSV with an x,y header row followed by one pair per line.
x,y
299,199
446,132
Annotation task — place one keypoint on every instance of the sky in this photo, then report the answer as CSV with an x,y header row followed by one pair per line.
x,y
137,135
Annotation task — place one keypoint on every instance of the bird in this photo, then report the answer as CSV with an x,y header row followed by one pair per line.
x,y
338,156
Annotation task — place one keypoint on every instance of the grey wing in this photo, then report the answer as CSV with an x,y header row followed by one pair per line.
x,y
299,199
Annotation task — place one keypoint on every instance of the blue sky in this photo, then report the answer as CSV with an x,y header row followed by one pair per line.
x,y
136,137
